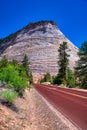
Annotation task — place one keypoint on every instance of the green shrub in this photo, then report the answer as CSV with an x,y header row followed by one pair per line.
x,y
14,78
71,80
1,83
41,80
9,96
14,75
10,85
46,78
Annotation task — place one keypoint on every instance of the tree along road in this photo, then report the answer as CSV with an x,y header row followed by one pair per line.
x,y
71,103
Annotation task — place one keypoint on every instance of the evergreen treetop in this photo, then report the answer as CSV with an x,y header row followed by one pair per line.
x,y
63,61
81,68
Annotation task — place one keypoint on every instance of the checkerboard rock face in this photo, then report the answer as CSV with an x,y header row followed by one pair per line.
x,y
40,42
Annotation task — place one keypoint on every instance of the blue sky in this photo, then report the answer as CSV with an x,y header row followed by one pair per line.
x,y
70,16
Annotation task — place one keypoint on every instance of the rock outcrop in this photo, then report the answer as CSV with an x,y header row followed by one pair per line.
x,y
40,41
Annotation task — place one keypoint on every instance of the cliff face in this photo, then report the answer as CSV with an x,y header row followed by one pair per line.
x,y
40,41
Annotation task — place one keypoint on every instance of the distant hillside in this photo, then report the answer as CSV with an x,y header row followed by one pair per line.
x,y
40,41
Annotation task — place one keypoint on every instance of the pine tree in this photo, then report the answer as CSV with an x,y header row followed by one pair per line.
x,y
81,68
26,65
62,63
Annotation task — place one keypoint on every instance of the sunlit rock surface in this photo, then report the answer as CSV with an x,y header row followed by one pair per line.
x,y
40,41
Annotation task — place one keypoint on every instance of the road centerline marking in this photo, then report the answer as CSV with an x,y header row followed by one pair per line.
x,y
73,94
69,93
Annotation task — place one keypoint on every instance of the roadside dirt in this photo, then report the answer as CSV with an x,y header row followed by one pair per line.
x,y
32,113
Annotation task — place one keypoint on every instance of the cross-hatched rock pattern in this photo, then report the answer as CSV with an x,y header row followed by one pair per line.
x,y
40,42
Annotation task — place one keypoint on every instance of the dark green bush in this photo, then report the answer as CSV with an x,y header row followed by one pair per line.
x,y
57,80
46,78
41,80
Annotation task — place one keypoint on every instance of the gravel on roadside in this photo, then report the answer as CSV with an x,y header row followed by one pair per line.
x,y
33,113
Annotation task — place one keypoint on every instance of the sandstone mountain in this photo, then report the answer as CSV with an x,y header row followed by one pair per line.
x,y
40,41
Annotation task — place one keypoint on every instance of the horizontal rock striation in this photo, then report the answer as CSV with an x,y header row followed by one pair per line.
x,y
41,44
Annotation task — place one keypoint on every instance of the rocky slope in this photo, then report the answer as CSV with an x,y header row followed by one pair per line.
x,y
40,41
32,113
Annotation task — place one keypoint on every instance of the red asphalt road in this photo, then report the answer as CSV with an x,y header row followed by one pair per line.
x,y
71,103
